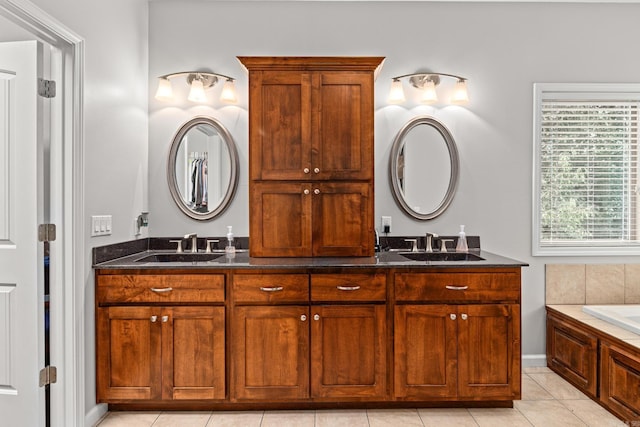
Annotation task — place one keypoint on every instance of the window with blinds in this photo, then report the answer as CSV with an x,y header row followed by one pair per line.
x,y
586,169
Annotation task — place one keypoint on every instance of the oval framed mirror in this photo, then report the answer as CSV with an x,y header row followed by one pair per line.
x,y
424,168
202,170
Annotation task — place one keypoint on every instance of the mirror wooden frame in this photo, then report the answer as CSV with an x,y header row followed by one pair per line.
x,y
233,169
396,149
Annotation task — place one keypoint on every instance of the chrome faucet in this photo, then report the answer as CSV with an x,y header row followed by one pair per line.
x,y
194,241
428,247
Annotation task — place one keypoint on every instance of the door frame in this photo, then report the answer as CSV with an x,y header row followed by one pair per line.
x,y
67,211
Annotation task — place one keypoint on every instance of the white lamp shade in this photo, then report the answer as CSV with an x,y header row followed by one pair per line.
x,y
429,95
165,91
396,94
196,94
460,95
229,92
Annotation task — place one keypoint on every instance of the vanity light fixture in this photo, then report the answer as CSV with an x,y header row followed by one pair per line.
x,y
199,81
427,82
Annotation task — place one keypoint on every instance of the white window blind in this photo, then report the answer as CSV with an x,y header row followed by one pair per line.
x,y
586,168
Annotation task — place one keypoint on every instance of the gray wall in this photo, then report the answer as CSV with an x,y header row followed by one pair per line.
x,y
503,48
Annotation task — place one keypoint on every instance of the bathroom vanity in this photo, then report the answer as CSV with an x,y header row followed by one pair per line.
x,y
246,332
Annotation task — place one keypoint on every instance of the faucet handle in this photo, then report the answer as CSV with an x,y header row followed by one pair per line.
x,y
414,244
209,242
179,248
443,244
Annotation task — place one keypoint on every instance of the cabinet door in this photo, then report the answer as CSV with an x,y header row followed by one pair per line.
x,y
128,354
270,351
342,219
489,351
279,125
193,353
280,219
620,381
573,353
348,354
342,125
425,352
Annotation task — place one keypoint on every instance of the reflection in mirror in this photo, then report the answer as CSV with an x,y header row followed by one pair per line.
x,y
424,168
203,168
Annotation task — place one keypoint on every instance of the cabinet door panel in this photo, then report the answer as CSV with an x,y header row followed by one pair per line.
x,y
271,352
488,348
348,354
128,354
620,381
342,135
193,353
280,219
425,352
342,223
279,128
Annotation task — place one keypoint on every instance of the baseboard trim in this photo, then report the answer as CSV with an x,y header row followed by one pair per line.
x,y
534,360
94,415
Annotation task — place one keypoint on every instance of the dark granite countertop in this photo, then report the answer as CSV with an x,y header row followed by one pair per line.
x,y
128,255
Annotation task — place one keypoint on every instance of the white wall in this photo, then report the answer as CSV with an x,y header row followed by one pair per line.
x,y
115,128
501,48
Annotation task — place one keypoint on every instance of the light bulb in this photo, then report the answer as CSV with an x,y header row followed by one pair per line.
x,y
165,91
396,94
429,95
229,92
196,94
460,95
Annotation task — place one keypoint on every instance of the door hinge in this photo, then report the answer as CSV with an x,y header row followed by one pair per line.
x,y
46,232
46,88
48,375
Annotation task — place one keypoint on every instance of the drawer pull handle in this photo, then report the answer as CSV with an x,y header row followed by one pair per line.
x,y
457,288
271,289
348,288
161,290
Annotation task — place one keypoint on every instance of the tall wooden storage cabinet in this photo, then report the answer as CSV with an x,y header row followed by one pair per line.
x,y
311,155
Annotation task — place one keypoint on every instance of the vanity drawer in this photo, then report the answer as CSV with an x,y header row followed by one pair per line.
x,y
348,287
163,288
270,288
478,287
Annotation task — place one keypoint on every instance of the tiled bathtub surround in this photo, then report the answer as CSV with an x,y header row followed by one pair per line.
x,y
592,284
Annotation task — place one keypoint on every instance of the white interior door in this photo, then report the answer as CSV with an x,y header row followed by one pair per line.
x,y
21,256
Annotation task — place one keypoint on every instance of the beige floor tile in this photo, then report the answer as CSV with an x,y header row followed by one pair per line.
x,y
129,419
394,418
289,419
491,417
342,418
592,414
536,370
182,419
439,417
548,413
531,390
235,419
557,387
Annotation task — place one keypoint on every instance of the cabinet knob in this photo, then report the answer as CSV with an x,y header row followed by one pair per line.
x,y
316,317
303,317
306,170
452,316
316,191
154,319
165,319
306,191
316,170
464,316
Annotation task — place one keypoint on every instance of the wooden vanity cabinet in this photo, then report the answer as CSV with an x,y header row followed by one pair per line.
x,y
311,155
154,339
457,335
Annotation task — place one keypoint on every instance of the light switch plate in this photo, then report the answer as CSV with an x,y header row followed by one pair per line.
x,y
100,225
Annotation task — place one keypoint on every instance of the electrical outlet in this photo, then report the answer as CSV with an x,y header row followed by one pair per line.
x,y
386,224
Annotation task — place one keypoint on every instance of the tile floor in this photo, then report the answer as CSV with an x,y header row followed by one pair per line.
x,y
547,400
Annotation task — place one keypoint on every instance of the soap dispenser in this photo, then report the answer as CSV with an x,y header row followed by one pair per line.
x,y
230,249
462,246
